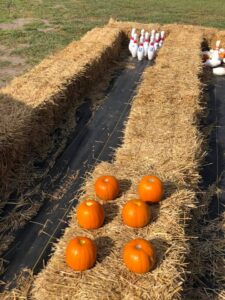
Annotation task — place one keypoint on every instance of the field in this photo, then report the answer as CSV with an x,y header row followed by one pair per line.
x,y
30,32
165,118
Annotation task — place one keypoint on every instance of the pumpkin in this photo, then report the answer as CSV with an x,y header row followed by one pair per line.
x,y
150,189
139,256
222,55
81,253
107,187
136,213
90,214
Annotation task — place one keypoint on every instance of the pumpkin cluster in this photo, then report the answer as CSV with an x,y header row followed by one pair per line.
x,y
138,254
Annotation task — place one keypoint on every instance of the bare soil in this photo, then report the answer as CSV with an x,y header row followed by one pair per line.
x,y
16,24
11,65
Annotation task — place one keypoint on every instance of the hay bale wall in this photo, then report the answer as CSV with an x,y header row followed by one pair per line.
x,y
215,35
161,137
34,104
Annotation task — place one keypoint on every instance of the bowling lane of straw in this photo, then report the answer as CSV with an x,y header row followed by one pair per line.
x,y
207,253
161,137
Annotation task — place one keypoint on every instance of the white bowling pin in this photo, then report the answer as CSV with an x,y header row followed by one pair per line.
x,y
157,37
133,31
218,44
208,53
140,52
131,43
142,32
152,40
151,52
162,35
134,46
161,39
156,46
212,63
215,55
152,37
153,32
131,39
146,43
219,71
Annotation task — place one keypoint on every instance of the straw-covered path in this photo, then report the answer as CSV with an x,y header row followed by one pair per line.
x,y
161,137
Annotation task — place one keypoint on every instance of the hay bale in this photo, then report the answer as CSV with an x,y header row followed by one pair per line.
x,y
34,104
207,243
161,137
218,35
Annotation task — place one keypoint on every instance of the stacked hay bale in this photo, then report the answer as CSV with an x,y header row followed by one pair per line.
x,y
161,137
34,104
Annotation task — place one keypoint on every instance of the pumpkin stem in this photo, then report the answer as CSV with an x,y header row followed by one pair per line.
x,y
81,242
89,203
138,246
151,180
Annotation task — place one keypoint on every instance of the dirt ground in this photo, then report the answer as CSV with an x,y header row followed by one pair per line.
x,y
11,65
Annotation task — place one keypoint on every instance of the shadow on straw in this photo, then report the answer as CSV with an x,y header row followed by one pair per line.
x,y
125,185
169,189
155,208
111,211
161,247
104,247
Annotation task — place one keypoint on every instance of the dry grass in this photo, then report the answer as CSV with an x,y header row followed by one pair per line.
x,y
207,261
219,35
33,105
161,137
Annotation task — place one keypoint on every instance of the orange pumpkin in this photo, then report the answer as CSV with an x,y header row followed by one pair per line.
x,y
139,256
136,213
222,55
90,214
81,253
150,189
107,187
